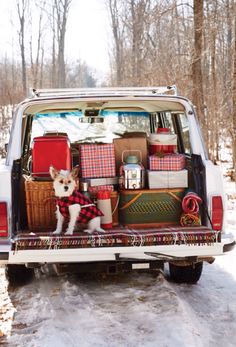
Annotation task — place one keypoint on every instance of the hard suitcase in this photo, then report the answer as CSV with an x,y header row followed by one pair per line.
x,y
50,150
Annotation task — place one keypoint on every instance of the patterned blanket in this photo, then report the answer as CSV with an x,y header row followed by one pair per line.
x,y
120,237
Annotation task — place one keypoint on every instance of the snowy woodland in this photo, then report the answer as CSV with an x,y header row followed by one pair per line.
x,y
151,42
191,44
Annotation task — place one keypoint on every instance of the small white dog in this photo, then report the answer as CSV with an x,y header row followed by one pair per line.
x,y
72,204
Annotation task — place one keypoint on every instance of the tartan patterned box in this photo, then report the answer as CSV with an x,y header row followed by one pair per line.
x,y
97,160
96,189
169,162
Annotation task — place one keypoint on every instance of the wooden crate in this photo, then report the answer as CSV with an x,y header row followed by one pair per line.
x,y
40,205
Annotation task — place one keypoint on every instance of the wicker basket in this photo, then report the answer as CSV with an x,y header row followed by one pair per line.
x,y
114,207
41,205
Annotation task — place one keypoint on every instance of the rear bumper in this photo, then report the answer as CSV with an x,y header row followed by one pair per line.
x,y
229,246
76,255
228,241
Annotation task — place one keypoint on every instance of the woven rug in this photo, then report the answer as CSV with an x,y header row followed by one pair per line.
x,y
120,237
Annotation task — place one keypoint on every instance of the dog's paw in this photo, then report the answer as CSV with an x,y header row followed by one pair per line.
x,y
69,232
56,232
100,230
88,231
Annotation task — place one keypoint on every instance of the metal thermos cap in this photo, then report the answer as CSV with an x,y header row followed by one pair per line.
x,y
84,186
131,159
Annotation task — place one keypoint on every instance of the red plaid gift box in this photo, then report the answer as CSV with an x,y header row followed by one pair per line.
x,y
170,162
97,160
95,189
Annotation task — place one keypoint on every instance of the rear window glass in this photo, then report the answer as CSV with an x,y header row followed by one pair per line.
x,y
106,126
184,128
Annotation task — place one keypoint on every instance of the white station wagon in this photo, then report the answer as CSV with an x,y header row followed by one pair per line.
x,y
141,146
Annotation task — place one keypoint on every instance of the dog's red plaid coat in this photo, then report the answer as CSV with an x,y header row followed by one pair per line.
x,y
86,213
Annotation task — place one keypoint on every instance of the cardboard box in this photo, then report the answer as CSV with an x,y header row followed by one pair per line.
x,y
167,179
130,145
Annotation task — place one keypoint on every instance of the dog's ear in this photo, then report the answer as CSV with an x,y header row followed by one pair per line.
x,y
53,172
75,172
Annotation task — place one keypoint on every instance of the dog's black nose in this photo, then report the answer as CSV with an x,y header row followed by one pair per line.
x,y
66,188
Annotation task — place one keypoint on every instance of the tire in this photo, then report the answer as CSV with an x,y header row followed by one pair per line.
x,y
186,274
19,275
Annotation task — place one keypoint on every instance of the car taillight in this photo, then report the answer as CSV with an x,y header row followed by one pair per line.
x,y
217,212
3,219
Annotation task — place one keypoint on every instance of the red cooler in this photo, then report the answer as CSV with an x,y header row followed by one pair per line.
x,y
50,150
162,142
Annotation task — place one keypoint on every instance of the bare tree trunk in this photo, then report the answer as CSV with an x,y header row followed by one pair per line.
x,y
177,29
39,40
210,78
134,43
54,69
116,29
227,76
138,12
21,9
234,99
198,97
62,9
41,69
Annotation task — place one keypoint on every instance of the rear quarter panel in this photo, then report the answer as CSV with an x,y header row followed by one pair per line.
x,y
5,195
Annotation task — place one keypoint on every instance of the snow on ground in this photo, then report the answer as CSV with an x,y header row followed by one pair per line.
x,y
130,310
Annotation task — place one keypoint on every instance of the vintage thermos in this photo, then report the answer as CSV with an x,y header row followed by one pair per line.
x,y
132,172
104,204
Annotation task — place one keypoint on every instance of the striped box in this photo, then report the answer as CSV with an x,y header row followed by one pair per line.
x,y
97,160
170,162
96,189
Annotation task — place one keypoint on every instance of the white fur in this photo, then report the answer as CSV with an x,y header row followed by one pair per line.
x,y
74,211
60,220
94,225
60,188
61,180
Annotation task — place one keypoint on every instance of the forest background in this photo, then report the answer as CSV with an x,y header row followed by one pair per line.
x,y
152,42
